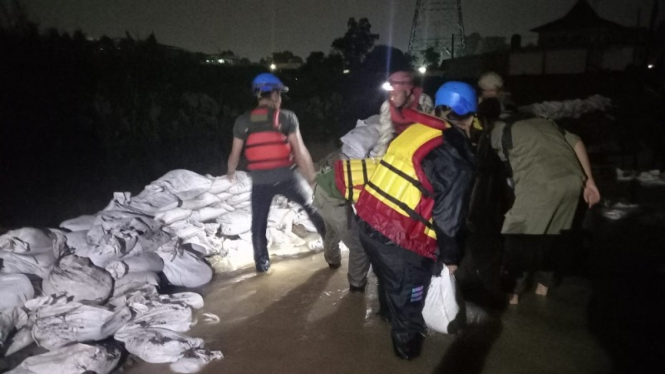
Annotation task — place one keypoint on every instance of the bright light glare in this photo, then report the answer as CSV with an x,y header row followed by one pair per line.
x,y
650,66
386,86
422,69
346,71
273,66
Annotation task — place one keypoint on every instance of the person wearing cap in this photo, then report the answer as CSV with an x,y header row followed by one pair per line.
x,y
412,211
273,147
402,93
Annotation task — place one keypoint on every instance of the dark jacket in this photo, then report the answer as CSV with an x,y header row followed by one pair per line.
x,y
450,169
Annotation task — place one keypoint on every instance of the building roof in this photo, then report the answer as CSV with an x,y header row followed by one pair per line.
x,y
581,16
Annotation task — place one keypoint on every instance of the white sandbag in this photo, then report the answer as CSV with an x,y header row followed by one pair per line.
x,y
174,317
73,359
206,245
152,200
219,184
21,339
184,184
109,249
80,223
186,229
358,142
60,325
27,240
132,282
149,261
173,215
243,205
276,216
223,196
201,201
235,223
210,213
140,294
183,268
119,202
78,277
191,299
157,345
243,184
239,198
39,264
9,318
15,290
195,360
441,306
77,241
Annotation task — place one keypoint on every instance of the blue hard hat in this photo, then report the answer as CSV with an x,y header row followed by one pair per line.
x,y
458,96
267,82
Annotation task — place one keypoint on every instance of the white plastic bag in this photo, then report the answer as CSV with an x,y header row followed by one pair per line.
x,y
441,306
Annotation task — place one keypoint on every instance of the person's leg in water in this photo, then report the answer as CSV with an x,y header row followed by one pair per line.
x,y
262,195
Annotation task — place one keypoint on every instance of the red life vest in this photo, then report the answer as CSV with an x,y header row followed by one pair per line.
x,y
398,199
266,147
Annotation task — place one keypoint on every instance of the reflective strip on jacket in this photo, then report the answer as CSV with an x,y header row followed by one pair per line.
x,y
397,201
266,147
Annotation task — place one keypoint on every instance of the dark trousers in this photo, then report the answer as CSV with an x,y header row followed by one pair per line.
x,y
404,278
525,256
262,195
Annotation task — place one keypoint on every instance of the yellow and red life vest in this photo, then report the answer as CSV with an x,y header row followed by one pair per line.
x,y
398,198
266,147
351,176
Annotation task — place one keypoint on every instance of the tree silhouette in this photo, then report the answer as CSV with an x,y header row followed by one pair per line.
x,y
356,43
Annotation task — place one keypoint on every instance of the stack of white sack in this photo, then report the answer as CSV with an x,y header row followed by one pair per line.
x,y
568,108
101,277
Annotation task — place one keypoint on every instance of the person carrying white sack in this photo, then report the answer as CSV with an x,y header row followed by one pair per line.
x,y
272,143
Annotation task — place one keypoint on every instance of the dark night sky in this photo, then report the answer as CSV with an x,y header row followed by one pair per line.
x,y
255,28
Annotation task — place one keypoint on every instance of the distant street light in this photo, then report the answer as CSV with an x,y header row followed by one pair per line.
x,y
422,69
346,71
650,66
273,66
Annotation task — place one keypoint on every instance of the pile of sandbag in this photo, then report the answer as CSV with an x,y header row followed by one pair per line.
x,y
100,277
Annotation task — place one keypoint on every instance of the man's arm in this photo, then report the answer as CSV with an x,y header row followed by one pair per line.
x,y
234,158
302,157
591,193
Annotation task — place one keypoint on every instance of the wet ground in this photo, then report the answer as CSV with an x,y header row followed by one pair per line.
x,y
605,316
302,319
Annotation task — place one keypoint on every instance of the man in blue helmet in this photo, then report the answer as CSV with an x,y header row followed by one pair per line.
x,y
413,209
273,147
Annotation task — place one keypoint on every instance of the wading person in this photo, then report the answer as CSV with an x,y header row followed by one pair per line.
x,y
413,209
272,143
549,170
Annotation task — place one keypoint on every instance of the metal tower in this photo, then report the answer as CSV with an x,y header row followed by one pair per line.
x,y
437,24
